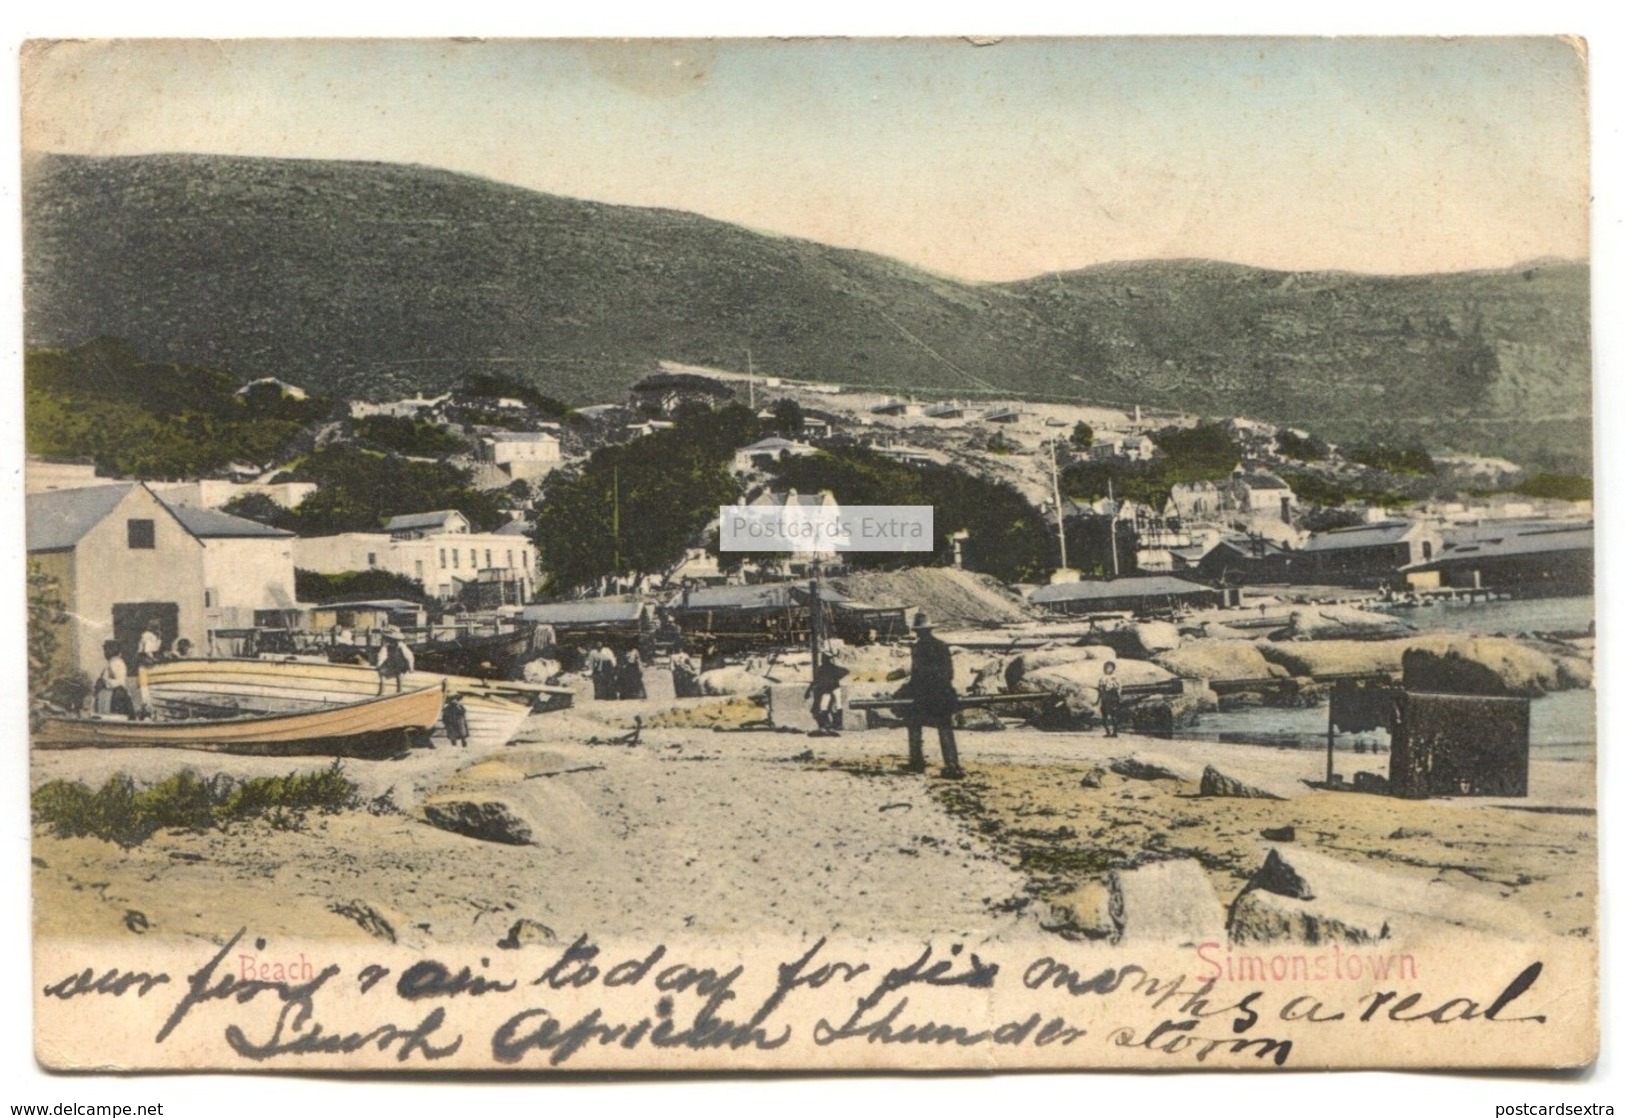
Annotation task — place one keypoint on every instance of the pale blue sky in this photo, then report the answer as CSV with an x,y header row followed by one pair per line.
x,y
991,162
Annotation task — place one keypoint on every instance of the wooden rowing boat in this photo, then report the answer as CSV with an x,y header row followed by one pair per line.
x,y
224,688
372,728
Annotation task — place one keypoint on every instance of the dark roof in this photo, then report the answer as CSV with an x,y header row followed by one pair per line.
x,y
1568,538
212,524
1380,534
1148,586
1264,481
584,613
776,595
1252,547
59,519
515,528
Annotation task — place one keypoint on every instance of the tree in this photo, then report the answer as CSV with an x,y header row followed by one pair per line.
x,y
1083,436
46,611
637,506
258,507
788,418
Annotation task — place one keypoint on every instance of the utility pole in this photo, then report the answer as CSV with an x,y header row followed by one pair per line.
x,y
750,378
615,517
1060,510
1113,529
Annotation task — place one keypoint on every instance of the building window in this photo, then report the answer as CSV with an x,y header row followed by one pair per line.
x,y
442,558
510,560
372,558
1427,550
454,558
208,599
142,534
417,566
488,558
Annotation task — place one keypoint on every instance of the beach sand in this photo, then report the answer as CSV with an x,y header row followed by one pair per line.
x,y
762,832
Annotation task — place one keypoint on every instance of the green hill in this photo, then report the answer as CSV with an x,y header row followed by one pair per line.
x,y
373,280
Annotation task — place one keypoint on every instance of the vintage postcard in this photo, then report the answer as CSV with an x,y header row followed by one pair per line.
x,y
717,555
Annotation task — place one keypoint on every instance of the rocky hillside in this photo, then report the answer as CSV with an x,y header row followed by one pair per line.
x,y
376,279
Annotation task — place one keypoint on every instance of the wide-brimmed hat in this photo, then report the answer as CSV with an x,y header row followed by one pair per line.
x,y
921,621
392,632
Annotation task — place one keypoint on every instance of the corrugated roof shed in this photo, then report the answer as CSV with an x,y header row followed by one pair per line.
x,y
1528,543
774,596
1149,586
584,613
1380,534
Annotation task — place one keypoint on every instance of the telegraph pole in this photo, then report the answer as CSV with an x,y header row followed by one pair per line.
x,y
1060,510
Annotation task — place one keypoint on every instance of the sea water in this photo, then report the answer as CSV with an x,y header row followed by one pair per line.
x,y
1562,725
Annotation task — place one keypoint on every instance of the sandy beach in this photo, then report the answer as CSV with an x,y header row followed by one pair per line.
x,y
770,832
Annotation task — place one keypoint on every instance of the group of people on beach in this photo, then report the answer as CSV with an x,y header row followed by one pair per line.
x,y
115,692
616,678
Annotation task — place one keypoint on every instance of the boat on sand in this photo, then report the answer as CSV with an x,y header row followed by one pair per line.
x,y
377,727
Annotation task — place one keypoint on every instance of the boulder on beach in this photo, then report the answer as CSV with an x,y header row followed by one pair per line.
x,y
1139,641
1315,623
1220,661
1019,666
516,799
1300,896
1216,783
1168,902
1468,665
733,680
1077,683
1341,657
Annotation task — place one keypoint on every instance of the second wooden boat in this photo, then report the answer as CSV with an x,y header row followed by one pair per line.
x,y
225,688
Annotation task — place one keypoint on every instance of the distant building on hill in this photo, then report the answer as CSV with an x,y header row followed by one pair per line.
x,y
438,549
1367,555
1550,559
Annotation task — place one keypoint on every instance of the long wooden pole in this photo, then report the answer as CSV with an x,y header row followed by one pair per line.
x,y
1060,509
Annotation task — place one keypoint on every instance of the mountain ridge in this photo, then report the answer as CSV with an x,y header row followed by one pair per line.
x,y
376,279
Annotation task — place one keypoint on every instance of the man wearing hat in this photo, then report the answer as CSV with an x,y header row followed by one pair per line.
x,y
395,658
934,702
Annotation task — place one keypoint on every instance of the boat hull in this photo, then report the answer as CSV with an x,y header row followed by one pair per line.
x,y
371,728
220,688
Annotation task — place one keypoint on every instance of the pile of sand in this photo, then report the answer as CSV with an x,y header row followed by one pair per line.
x,y
951,598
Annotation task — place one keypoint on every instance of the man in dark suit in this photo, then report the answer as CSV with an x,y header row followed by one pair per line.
x,y
934,701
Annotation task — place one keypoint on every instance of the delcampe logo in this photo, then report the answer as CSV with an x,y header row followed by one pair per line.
x,y
815,528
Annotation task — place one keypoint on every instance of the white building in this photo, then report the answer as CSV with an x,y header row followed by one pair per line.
x,y
503,447
768,450
213,493
41,475
123,558
399,409
437,549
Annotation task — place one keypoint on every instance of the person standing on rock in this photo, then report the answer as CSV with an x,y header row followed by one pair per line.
x,y
933,700
1111,698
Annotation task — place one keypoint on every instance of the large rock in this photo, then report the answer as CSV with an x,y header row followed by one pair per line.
x,y
518,798
1020,666
1138,641
1078,683
734,681
1467,665
1223,661
1344,657
1298,896
1216,783
1166,903
1340,623
480,816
